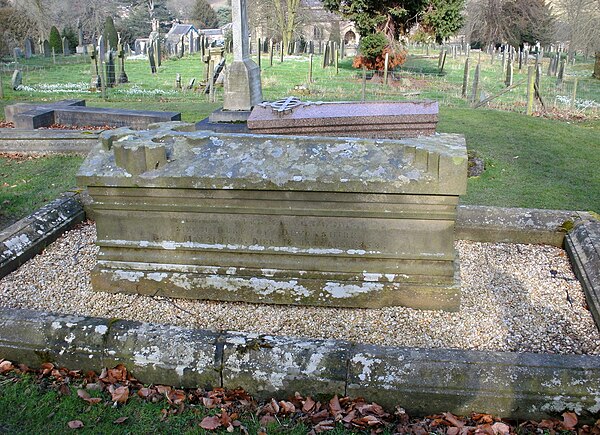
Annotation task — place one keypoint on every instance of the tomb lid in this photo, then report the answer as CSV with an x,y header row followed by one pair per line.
x,y
168,157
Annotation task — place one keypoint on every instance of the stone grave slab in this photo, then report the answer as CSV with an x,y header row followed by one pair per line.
x,y
376,119
75,112
277,219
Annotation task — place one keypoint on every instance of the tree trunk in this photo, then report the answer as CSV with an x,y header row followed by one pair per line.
x,y
597,66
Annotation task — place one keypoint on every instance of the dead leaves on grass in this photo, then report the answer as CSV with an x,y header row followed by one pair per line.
x,y
226,407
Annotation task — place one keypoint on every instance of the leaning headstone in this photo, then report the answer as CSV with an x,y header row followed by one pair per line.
x,y
191,83
28,48
17,79
111,77
65,46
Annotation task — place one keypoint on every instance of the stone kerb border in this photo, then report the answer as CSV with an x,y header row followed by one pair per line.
x,y
47,141
518,385
29,236
421,380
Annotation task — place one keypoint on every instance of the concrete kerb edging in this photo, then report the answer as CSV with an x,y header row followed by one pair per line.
x,y
518,385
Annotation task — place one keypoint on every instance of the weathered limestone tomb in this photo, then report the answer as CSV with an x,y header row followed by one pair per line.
x,y
277,219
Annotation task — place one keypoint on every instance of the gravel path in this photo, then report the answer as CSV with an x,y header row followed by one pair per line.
x,y
515,298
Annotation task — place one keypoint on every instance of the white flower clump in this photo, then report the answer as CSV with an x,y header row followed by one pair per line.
x,y
56,88
579,104
136,90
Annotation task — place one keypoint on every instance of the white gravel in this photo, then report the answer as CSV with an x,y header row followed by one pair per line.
x,y
514,298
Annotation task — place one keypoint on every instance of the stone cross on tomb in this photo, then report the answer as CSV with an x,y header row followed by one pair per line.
x,y
75,113
242,79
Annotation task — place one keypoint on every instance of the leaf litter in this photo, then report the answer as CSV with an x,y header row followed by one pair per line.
x,y
228,408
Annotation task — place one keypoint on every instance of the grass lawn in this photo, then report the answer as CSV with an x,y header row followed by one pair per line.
x,y
530,161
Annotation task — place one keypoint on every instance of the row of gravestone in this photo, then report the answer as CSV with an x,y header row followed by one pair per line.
x,y
43,48
103,61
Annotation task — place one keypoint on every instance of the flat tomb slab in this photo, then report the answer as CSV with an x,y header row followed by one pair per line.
x,y
376,119
277,219
75,112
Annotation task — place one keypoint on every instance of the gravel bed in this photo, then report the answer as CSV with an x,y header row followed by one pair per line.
x,y
521,298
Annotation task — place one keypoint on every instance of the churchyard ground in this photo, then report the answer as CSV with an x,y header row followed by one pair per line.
x,y
530,161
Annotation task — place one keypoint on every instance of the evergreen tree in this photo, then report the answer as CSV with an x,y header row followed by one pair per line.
x,y
223,16
393,18
204,15
55,40
110,34
71,36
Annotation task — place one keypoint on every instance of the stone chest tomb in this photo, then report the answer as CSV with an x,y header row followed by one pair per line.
x,y
277,219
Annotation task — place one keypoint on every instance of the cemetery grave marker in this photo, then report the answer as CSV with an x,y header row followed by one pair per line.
x,y
277,219
74,112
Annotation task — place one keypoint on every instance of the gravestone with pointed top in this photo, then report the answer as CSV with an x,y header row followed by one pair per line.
x,y
65,46
28,48
110,69
243,89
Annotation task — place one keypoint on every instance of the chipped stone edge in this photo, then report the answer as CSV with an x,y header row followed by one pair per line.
x,y
511,385
47,141
508,384
583,247
29,236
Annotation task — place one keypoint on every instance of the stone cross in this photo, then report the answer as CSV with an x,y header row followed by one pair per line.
x,y
121,54
242,81
95,83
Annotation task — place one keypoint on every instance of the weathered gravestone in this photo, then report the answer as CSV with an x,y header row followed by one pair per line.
x,y
74,112
122,74
28,48
379,119
277,219
110,69
65,46
17,79
46,47
96,81
242,78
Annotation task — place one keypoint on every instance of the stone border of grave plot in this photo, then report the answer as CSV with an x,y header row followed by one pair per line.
x,y
423,381
29,236
508,384
47,141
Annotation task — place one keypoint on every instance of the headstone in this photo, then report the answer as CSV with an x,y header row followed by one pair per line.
x,y
181,47
17,79
191,83
509,73
111,78
17,53
28,48
121,55
178,81
151,56
81,47
242,80
93,52
65,46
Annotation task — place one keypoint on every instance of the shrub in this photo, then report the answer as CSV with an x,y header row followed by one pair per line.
x,y
55,40
110,34
373,49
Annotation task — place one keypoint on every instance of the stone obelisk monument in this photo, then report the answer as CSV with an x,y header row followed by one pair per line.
x,y
242,78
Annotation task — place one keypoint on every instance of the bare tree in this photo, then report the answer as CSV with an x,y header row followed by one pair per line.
x,y
579,25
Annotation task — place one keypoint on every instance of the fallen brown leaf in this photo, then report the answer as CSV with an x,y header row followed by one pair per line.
x,y
500,428
6,366
75,424
120,420
335,408
453,420
210,423
308,405
569,420
120,395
